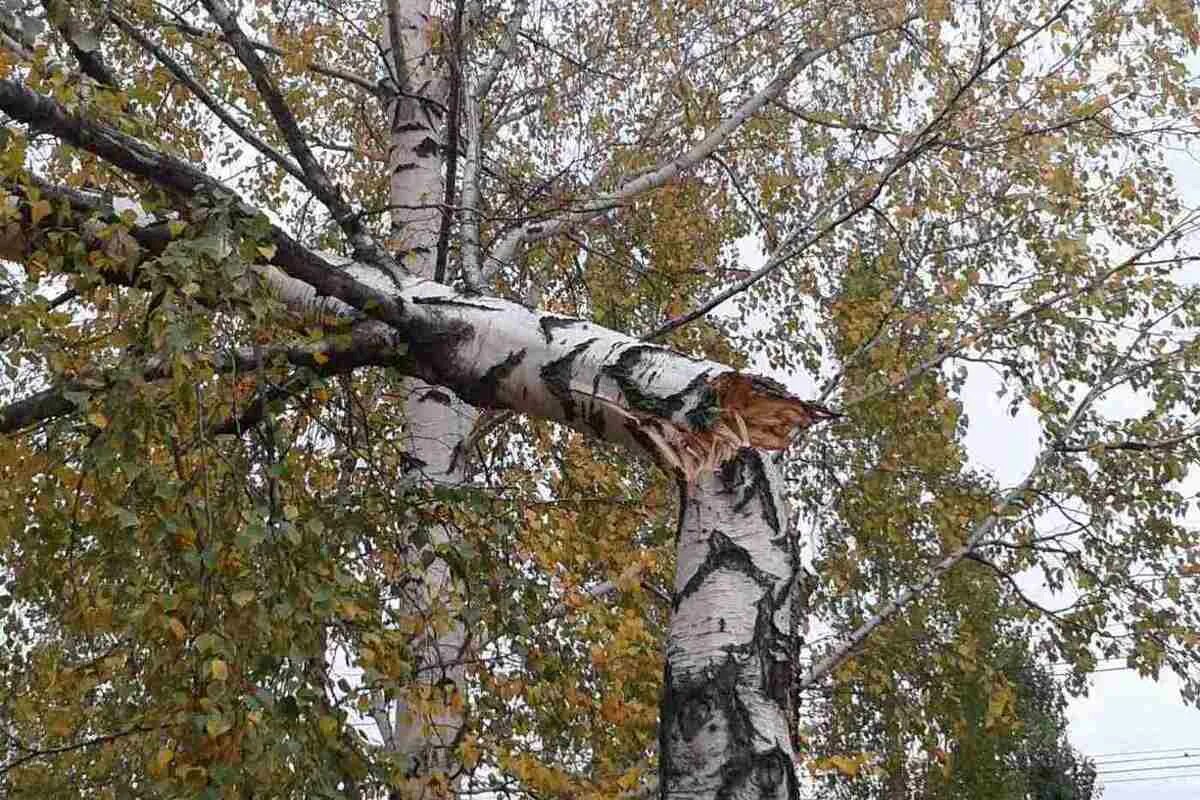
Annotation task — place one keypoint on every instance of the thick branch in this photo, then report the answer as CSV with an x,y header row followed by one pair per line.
x,y
316,179
494,353
498,354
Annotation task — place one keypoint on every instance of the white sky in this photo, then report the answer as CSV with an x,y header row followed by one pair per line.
x,y
1123,712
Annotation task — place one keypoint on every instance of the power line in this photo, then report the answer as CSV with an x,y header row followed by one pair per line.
x,y
1159,778
1146,769
1144,752
1143,759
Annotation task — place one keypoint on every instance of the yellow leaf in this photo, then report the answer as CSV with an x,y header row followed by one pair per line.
x,y
320,358
468,751
219,670
631,577
216,726
242,598
328,726
161,759
998,704
849,765
38,211
98,419
267,251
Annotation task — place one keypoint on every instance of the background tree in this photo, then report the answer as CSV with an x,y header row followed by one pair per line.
x,y
269,526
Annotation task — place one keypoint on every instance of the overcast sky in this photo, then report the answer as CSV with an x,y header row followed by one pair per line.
x,y
1128,722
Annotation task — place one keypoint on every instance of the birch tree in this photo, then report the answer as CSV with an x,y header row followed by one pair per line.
x,y
375,426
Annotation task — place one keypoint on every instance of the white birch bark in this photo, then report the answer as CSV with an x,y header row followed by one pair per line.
x,y
426,721
725,729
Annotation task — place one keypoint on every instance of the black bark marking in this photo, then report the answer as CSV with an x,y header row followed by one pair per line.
x,y
725,699
679,520
427,147
485,392
557,377
436,396
771,648
766,771
693,702
595,410
441,300
743,474
724,553
550,323
703,702
433,354
622,372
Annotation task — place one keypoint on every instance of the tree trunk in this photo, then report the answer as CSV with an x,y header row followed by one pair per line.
x,y
725,726
427,718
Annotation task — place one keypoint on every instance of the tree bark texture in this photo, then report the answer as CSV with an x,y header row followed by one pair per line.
x,y
725,725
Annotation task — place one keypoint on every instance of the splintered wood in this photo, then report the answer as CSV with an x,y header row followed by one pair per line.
x,y
753,412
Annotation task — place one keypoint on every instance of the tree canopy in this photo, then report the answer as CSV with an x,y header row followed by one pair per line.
x,y
567,400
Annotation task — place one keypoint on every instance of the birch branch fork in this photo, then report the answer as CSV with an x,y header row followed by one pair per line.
x,y
726,717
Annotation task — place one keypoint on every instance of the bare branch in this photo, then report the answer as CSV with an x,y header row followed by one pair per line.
x,y
316,179
668,171
484,84
202,94
1132,445
472,266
